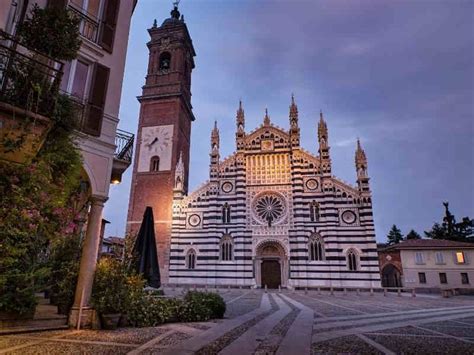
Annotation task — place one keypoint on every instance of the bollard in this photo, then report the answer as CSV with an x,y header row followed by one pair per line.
x,y
413,293
357,292
319,290
399,293
385,292
331,291
371,291
279,288
345,291
228,287
265,288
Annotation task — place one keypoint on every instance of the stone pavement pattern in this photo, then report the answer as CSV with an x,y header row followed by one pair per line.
x,y
285,322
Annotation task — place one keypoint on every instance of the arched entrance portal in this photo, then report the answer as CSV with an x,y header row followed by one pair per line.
x,y
391,276
271,265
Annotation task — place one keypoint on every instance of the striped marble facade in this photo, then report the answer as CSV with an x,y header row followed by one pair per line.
x,y
272,200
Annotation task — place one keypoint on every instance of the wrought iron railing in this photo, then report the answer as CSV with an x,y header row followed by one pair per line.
x,y
124,145
89,25
28,79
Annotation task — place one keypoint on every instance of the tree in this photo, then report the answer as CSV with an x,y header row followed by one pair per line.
x,y
413,235
450,230
395,235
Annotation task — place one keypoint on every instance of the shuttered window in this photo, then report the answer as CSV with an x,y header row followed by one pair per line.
x,y
109,24
97,95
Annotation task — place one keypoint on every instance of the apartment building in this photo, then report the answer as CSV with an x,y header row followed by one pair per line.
x,y
94,81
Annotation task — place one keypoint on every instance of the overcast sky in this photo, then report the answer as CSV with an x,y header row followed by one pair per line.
x,y
397,74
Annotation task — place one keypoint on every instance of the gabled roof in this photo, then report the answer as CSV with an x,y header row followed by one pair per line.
x,y
430,244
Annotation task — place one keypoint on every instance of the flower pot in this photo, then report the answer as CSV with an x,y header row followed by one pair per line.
x,y
110,321
19,125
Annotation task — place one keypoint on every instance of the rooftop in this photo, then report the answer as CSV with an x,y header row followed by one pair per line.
x,y
429,244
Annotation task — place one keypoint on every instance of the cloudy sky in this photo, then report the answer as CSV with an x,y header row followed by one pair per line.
x,y
397,74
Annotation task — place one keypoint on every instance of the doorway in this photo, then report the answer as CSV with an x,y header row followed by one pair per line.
x,y
391,276
271,273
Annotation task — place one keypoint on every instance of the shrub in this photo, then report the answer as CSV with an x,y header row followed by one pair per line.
x,y
214,302
109,291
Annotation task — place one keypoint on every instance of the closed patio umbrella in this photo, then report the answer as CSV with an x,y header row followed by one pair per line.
x,y
145,250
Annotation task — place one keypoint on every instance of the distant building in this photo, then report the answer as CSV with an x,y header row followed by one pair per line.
x,y
112,247
429,264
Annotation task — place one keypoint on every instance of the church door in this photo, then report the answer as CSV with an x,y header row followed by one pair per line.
x,y
391,277
271,273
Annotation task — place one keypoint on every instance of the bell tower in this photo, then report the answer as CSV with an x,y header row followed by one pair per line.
x,y
164,131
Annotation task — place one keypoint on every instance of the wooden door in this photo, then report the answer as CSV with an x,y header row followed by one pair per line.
x,y
271,273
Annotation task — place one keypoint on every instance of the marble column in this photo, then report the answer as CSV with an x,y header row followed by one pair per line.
x,y
88,264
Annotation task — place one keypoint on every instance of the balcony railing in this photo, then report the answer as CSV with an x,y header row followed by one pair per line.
x,y
28,79
124,146
89,25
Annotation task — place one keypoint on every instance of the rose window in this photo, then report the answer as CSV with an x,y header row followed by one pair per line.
x,y
269,208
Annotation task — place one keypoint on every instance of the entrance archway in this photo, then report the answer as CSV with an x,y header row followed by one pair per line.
x,y
271,265
391,276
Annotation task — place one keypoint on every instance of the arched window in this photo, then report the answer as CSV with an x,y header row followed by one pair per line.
x,y
155,163
226,213
191,259
227,248
314,211
352,262
316,248
165,61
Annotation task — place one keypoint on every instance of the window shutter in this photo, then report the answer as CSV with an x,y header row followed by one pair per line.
x,y
109,23
97,95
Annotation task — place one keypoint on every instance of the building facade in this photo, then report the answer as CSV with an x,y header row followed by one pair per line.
x,y
428,264
94,83
272,214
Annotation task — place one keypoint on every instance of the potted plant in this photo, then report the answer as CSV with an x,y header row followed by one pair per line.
x,y
108,291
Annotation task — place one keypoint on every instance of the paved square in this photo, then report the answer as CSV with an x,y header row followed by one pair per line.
x,y
287,322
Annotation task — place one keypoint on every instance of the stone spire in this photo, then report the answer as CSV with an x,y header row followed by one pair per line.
x,y
294,129
323,145
266,119
361,168
240,134
214,169
179,175
293,113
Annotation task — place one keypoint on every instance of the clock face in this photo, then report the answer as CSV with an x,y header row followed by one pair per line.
x,y
156,141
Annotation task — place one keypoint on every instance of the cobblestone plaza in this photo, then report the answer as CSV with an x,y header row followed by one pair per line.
x,y
287,322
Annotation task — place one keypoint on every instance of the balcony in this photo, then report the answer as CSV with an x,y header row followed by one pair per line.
x,y
123,155
29,83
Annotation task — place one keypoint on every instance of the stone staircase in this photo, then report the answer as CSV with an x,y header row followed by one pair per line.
x,y
46,318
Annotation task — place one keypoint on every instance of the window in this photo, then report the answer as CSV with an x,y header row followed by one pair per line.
x,y
439,258
442,278
97,95
464,278
165,61
109,23
314,211
316,248
155,163
419,258
226,213
460,257
226,248
191,259
422,277
352,260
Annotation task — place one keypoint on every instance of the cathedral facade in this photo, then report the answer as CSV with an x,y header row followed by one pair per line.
x,y
271,214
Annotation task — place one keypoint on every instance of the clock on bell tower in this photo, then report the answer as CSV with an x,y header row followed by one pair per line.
x,y
164,130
